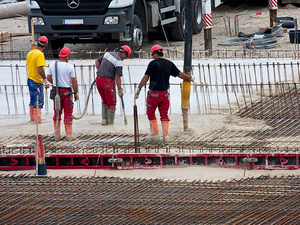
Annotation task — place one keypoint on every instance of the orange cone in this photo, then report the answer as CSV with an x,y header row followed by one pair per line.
x,y
31,112
69,132
57,131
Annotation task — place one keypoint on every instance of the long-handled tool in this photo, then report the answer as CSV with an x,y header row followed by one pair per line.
x,y
136,127
123,107
32,36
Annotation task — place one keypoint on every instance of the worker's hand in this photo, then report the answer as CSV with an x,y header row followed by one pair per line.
x,y
120,93
76,96
47,83
137,92
192,79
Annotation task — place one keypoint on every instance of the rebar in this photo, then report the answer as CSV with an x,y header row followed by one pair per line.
x,y
111,200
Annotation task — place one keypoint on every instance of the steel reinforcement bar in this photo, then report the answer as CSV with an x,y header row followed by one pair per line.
x,y
152,161
111,200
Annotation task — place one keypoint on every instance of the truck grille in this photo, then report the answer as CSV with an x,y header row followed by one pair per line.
x,y
85,7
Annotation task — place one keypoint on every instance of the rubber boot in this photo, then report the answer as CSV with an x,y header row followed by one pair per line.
x,y
69,132
110,116
39,119
57,136
31,112
104,115
165,128
154,131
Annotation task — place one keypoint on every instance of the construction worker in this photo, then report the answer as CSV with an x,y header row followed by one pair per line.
x,y
159,71
37,78
109,71
66,80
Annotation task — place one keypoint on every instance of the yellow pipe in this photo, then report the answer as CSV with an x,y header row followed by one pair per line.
x,y
185,97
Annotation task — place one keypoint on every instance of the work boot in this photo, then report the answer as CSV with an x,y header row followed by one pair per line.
x,y
39,119
165,128
154,131
31,112
57,136
110,116
69,132
104,115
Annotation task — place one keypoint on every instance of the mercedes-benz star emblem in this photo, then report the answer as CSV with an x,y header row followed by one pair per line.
x,y
73,4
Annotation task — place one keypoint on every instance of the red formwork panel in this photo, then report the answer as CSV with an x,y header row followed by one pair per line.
x,y
18,162
152,161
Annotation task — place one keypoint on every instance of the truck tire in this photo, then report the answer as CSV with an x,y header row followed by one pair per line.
x,y
197,16
136,34
178,28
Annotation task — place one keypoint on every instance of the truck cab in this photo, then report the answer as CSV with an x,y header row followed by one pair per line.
x,y
104,21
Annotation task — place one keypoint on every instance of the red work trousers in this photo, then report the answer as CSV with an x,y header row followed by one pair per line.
x,y
160,100
107,90
66,104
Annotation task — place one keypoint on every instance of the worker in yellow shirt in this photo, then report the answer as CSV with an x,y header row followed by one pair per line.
x,y
36,78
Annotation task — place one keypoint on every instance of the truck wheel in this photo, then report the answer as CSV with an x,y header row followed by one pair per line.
x,y
197,16
178,28
136,33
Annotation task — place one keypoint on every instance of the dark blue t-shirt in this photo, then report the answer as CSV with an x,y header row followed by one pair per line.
x,y
160,71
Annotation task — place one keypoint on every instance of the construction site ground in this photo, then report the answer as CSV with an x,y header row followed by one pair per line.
x,y
175,195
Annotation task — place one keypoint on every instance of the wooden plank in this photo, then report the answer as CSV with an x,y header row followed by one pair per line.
x,y
4,36
20,34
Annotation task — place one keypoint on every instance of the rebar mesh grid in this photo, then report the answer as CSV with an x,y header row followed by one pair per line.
x,y
67,200
169,53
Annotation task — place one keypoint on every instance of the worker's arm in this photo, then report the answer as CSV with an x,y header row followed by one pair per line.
x,y
185,76
142,84
74,84
49,78
75,87
143,81
120,89
97,64
41,72
43,75
118,82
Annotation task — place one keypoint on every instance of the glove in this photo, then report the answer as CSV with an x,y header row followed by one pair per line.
x,y
76,96
137,92
120,93
192,79
47,83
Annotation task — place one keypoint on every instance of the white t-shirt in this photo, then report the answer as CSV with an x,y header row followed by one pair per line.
x,y
64,73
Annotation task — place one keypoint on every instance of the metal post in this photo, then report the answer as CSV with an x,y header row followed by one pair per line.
x,y
136,128
207,23
273,6
186,89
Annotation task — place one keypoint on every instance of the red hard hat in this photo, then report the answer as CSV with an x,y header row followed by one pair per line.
x,y
127,49
155,48
64,52
43,39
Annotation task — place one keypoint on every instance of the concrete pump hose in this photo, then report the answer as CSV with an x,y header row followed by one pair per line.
x,y
86,103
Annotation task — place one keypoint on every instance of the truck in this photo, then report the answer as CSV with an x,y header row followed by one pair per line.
x,y
105,21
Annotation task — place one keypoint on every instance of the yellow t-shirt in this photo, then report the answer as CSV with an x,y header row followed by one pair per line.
x,y
35,59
